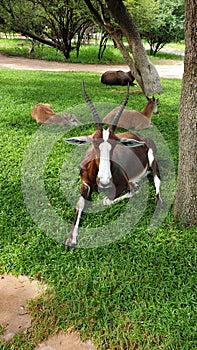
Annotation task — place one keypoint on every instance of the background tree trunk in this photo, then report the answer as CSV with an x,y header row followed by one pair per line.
x,y
150,81
141,68
185,207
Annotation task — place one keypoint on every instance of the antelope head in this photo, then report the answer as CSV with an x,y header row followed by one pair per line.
x,y
153,102
104,142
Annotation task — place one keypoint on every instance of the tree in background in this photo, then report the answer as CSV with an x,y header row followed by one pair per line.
x,y
51,22
57,23
116,20
185,207
158,21
19,15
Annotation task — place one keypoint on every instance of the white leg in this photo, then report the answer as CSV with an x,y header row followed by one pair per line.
x,y
108,201
72,239
157,187
151,157
152,164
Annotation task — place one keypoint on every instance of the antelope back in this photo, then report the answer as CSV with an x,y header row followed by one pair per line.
x,y
129,119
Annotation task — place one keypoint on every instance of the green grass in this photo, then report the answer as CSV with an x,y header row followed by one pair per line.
x,y
137,292
88,53
179,46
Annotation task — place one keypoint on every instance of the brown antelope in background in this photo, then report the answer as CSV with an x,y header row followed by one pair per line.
x,y
43,113
114,163
131,119
118,77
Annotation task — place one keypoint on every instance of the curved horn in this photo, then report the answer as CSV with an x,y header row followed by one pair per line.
x,y
92,108
118,114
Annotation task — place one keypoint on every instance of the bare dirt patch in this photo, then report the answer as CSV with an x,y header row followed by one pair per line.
x,y
14,295
64,341
169,69
15,292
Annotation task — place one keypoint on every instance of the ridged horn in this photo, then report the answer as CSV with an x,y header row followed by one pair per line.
x,y
118,114
92,108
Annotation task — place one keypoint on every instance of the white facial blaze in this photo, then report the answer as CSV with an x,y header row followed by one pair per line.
x,y
104,173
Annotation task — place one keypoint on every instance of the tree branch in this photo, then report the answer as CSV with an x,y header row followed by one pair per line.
x,y
40,39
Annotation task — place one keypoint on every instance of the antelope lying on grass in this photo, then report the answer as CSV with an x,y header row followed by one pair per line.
x,y
44,113
113,163
131,119
117,78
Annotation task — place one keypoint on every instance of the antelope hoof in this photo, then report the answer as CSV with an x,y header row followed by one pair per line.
x,y
107,201
69,245
159,202
136,188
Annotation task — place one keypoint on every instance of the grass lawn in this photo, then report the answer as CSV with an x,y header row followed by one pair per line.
x,y
138,292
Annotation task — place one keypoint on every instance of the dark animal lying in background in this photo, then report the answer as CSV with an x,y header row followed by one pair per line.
x,y
44,113
117,78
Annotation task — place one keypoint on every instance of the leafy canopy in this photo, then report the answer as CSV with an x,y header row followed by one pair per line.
x,y
158,21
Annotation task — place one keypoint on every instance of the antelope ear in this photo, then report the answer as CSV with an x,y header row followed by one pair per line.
x,y
78,141
131,142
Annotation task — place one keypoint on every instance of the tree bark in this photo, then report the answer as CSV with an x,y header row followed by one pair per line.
x,y
185,207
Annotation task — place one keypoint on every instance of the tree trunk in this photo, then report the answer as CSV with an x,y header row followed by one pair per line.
x,y
103,45
141,68
185,207
150,81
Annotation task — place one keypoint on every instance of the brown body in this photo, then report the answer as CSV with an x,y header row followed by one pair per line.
x,y
117,78
44,113
127,164
131,119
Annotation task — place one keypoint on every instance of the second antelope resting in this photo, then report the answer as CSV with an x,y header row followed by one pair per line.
x,y
114,163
